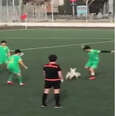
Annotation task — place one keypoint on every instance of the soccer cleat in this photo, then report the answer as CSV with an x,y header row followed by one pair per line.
x,y
43,106
21,84
10,83
92,78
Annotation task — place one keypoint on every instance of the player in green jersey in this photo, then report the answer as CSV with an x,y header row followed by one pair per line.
x,y
13,66
93,60
4,53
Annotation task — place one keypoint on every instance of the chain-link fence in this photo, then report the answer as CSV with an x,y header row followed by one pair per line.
x,y
10,10
35,12
53,10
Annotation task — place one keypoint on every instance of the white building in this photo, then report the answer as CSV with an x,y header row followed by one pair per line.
x,y
110,2
109,7
61,2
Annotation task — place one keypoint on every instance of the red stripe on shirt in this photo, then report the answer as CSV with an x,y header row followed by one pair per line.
x,y
51,66
52,79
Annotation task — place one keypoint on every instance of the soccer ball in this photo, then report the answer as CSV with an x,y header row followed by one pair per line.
x,y
72,74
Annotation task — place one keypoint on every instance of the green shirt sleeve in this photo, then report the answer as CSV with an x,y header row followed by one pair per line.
x,y
7,50
97,51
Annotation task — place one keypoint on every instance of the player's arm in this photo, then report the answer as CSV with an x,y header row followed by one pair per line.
x,y
106,51
9,52
44,73
22,64
60,75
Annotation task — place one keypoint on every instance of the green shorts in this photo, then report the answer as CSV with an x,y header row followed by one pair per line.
x,y
92,64
3,60
14,70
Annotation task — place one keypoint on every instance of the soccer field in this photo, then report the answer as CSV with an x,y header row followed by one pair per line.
x,y
81,97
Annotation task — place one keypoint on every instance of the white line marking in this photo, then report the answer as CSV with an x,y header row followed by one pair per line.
x,y
61,46
52,38
78,28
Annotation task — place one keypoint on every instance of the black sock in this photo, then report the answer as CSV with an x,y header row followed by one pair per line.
x,y
44,98
57,99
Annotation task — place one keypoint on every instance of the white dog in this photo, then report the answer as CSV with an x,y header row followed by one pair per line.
x,y
72,74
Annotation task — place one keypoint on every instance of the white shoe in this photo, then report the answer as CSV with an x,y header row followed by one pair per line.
x,y
21,84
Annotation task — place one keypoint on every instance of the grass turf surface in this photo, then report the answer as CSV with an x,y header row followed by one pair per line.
x,y
80,97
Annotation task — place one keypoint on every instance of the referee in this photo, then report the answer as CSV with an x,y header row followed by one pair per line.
x,y
53,78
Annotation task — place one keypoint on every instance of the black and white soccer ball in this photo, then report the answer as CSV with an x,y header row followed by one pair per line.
x,y
72,74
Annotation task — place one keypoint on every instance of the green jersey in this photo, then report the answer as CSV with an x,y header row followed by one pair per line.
x,y
4,50
93,60
93,55
14,60
13,64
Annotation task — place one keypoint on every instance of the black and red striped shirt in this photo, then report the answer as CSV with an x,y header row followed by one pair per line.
x,y
51,71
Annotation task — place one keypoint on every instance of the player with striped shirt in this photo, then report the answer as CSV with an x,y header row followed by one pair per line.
x,y
53,77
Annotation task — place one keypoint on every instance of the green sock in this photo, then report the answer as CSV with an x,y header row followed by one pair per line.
x,y
0,70
10,77
20,79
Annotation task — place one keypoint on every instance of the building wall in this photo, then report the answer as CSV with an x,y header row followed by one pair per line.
x,y
61,2
55,6
111,6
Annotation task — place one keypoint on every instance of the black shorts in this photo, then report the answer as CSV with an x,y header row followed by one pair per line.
x,y
52,84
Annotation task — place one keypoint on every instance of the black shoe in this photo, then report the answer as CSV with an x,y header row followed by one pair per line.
x,y
43,105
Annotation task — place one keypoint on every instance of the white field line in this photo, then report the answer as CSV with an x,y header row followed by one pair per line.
x,y
78,29
61,46
52,38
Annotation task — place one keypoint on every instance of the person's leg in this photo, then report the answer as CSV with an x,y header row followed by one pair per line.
x,y
10,79
91,66
1,64
44,97
20,79
92,71
47,87
57,97
92,74
17,71
87,67
11,75
0,67
88,70
57,94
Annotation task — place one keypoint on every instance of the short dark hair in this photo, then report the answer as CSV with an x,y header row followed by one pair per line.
x,y
86,47
3,41
52,58
17,51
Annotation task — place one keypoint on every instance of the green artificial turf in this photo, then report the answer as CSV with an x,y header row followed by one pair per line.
x,y
80,97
